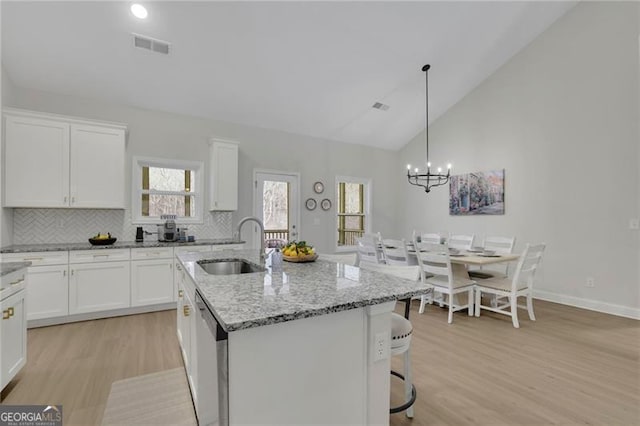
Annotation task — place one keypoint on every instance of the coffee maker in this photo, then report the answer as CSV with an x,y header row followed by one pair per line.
x,y
168,232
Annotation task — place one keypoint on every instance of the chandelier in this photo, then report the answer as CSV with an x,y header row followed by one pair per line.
x,y
428,179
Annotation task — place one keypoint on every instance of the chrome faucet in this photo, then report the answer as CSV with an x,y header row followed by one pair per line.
x,y
259,222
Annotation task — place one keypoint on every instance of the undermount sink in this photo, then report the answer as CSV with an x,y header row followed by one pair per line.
x,y
229,267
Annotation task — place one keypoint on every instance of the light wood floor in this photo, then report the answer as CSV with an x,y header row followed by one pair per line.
x,y
570,367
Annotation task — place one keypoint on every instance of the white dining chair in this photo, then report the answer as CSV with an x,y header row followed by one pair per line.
x,y
346,258
501,245
508,290
427,237
401,330
395,252
461,242
369,249
435,266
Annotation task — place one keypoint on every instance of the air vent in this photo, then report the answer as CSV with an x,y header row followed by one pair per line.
x,y
380,106
152,44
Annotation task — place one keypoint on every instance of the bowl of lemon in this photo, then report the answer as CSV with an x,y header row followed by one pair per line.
x,y
102,239
299,251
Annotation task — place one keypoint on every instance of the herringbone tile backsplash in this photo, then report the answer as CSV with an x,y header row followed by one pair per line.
x,y
42,226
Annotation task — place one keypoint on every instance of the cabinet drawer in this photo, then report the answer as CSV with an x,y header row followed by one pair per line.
x,y
191,249
152,253
39,258
103,255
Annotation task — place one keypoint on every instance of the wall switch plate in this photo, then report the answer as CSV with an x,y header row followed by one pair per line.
x,y
634,223
316,221
591,282
381,347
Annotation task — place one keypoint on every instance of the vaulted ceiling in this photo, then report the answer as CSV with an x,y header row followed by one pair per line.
x,y
313,68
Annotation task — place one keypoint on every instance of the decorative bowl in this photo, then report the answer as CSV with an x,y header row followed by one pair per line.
x,y
102,242
301,259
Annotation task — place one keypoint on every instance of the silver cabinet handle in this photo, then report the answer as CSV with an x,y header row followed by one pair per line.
x,y
72,272
65,200
64,272
171,266
73,200
178,267
34,258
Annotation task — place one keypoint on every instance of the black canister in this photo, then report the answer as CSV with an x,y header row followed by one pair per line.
x,y
139,234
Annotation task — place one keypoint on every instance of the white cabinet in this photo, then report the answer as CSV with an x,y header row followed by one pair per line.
x,y
99,286
48,290
13,331
97,167
186,328
151,276
58,161
36,162
223,175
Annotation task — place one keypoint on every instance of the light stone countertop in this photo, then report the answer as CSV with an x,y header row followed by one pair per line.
x,y
8,267
298,290
26,248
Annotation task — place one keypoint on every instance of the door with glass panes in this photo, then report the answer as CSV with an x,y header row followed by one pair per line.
x,y
276,204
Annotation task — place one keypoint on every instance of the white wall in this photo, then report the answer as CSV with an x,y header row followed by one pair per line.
x,y
159,134
562,118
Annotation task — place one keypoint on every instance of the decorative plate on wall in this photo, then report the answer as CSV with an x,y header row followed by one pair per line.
x,y
325,204
310,204
318,187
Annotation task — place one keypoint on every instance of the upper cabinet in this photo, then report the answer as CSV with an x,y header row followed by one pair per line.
x,y
57,161
223,175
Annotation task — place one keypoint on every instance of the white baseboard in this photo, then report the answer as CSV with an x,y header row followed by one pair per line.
x,y
593,305
100,315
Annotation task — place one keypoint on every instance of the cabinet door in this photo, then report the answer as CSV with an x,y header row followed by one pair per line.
x,y
151,282
36,163
98,286
97,167
13,337
48,292
224,176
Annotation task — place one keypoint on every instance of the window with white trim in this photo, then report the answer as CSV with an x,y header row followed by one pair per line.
x,y
352,210
164,186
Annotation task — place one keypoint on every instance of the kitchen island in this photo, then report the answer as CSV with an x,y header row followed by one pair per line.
x,y
304,343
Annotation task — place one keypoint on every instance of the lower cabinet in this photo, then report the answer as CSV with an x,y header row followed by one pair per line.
x,y
186,329
48,292
99,286
151,282
13,337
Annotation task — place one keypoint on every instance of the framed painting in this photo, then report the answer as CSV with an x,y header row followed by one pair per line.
x,y
479,193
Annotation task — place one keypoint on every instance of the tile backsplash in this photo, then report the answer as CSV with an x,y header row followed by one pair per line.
x,y
42,226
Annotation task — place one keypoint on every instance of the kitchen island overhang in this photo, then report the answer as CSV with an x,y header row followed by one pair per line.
x,y
301,339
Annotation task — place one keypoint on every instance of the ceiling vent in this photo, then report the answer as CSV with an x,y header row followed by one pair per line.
x,y
381,106
152,44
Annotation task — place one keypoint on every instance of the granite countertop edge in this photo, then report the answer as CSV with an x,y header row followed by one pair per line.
x,y
309,313
26,248
8,267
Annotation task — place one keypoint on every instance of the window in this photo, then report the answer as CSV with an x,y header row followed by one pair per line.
x,y
352,210
162,186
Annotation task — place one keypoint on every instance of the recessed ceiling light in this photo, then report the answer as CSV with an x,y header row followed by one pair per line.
x,y
139,11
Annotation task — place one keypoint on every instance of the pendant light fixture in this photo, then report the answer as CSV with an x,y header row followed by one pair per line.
x,y
428,179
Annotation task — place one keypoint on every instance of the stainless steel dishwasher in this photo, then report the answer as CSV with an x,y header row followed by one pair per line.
x,y
212,383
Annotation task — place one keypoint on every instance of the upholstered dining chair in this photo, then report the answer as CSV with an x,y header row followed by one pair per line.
x,y
434,260
401,330
395,252
507,290
369,249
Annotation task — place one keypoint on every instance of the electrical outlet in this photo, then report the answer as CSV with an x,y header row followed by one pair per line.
x,y
316,221
590,282
634,223
60,223
381,347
